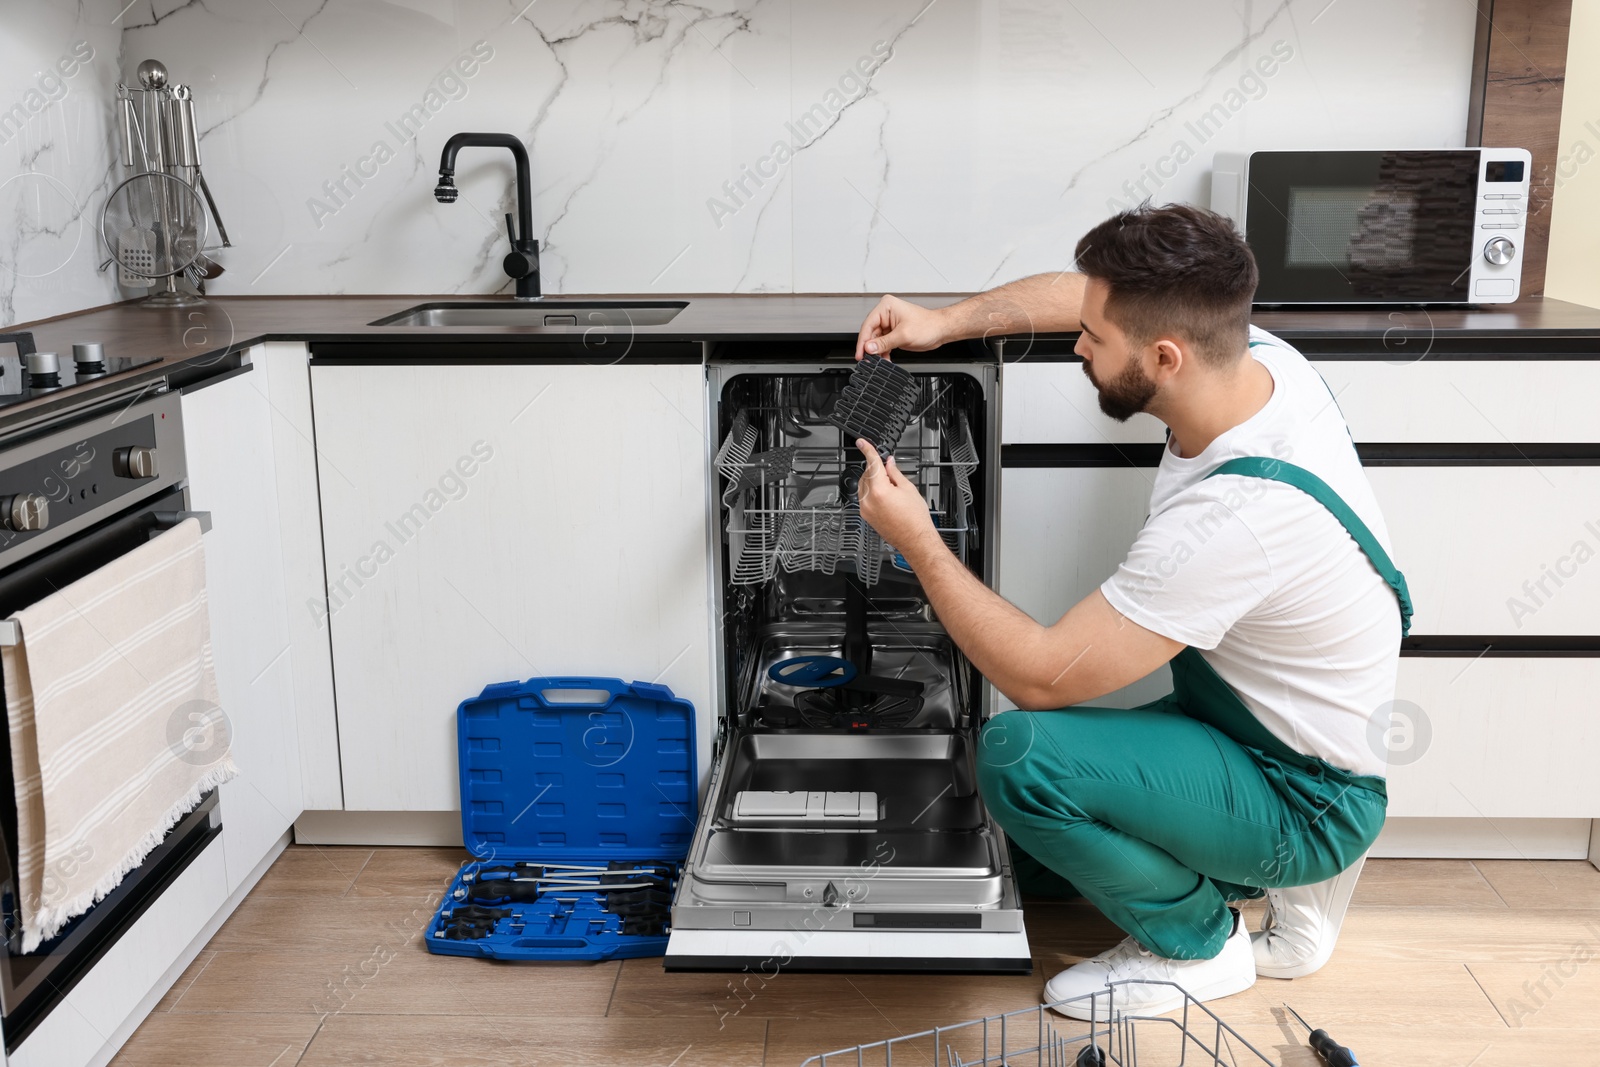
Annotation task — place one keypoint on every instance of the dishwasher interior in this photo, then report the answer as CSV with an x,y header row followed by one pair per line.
x,y
842,827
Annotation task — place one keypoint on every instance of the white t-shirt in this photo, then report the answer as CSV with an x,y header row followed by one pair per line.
x,y
1265,582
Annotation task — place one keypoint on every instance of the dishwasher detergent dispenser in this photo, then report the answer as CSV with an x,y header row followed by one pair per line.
x,y
842,827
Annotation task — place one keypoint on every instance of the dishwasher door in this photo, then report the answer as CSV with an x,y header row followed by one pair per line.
x,y
845,838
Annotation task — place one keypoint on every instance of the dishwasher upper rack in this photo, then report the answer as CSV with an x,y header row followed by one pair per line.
x,y
785,507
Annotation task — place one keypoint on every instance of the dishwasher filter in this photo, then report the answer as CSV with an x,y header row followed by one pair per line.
x,y
877,405
578,805
842,827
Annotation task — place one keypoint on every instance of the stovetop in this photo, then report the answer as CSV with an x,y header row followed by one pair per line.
x,y
17,386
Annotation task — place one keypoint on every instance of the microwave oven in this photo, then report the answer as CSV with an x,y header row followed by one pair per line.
x,y
1410,226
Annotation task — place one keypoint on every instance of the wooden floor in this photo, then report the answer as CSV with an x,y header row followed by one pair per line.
x,y
1451,963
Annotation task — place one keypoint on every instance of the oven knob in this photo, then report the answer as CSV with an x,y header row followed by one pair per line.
x,y
1499,251
134,462
25,511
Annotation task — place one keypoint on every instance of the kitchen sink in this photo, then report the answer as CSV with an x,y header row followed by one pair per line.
x,y
535,314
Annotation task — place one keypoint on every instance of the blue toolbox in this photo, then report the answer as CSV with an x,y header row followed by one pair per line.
x,y
578,800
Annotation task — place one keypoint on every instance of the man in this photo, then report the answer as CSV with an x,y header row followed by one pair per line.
x,y
1262,575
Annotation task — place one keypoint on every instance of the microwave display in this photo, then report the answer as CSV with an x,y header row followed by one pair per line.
x,y
1503,170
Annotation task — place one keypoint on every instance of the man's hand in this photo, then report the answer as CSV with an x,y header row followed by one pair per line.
x,y
897,323
893,505
1043,303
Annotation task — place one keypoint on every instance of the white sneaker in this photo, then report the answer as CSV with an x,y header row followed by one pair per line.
x,y
1231,971
1302,925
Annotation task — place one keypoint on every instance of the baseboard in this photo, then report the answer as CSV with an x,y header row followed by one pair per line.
x,y
442,828
1503,839
136,1018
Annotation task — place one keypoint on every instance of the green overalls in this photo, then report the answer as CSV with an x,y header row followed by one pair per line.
x,y
1161,814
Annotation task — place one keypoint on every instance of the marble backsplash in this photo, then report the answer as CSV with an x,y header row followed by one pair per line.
x,y
726,145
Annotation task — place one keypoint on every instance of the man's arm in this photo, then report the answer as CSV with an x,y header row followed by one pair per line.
x,y
1090,651
1043,303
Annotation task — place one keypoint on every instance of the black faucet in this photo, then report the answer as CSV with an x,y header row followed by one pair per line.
x,y
522,262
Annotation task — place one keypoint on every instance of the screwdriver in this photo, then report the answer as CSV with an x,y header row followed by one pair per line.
x,y
1332,1053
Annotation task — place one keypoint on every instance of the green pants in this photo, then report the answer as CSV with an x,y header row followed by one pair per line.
x,y
1160,819
1162,814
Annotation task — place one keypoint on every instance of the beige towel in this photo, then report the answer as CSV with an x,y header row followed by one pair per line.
x,y
116,728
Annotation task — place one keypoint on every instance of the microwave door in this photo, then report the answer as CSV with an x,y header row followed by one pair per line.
x,y
1363,227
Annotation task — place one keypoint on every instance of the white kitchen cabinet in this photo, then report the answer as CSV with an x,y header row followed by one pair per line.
x,y
496,520
1498,736
284,377
1496,551
228,441
1467,539
1063,530
1444,401
1429,400
1053,402
101,1011
1495,736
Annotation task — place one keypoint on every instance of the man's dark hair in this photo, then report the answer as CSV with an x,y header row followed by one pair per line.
x,y
1174,270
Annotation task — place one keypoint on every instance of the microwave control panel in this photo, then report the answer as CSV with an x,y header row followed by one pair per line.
x,y
1503,181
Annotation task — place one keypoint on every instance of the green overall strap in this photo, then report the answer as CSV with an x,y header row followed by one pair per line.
x,y
1277,470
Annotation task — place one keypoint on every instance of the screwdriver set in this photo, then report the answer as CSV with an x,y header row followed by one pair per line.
x,y
523,900
578,801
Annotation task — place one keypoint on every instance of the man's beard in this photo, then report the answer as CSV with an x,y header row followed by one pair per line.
x,y
1125,395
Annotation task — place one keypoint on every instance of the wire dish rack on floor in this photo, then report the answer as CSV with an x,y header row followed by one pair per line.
x,y
1190,1036
793,507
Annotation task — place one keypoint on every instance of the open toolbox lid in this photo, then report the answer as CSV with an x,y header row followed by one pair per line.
x,y
577,768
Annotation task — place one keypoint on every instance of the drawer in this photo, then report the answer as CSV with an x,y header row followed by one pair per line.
x,y
1063,530
1509,737
1496,550
1422,402
109,995
1460,401
1054,403
1487,551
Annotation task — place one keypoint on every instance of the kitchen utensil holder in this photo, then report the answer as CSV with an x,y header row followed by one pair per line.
x,y
160,143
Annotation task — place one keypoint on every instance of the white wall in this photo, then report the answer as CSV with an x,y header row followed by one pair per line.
x,y
55,154
1573,272
992,134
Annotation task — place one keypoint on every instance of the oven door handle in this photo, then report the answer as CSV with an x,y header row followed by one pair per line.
x,y
168,519
11,632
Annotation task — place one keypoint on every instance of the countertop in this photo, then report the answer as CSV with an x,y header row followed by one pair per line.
x,y
190,343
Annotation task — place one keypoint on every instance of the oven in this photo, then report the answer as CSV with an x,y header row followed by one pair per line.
x,y
1414,227
76,493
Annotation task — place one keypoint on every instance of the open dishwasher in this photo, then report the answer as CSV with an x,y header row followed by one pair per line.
x,y
842,827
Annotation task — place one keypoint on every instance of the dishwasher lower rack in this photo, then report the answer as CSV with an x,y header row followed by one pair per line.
x,y
793,506
1039,1037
